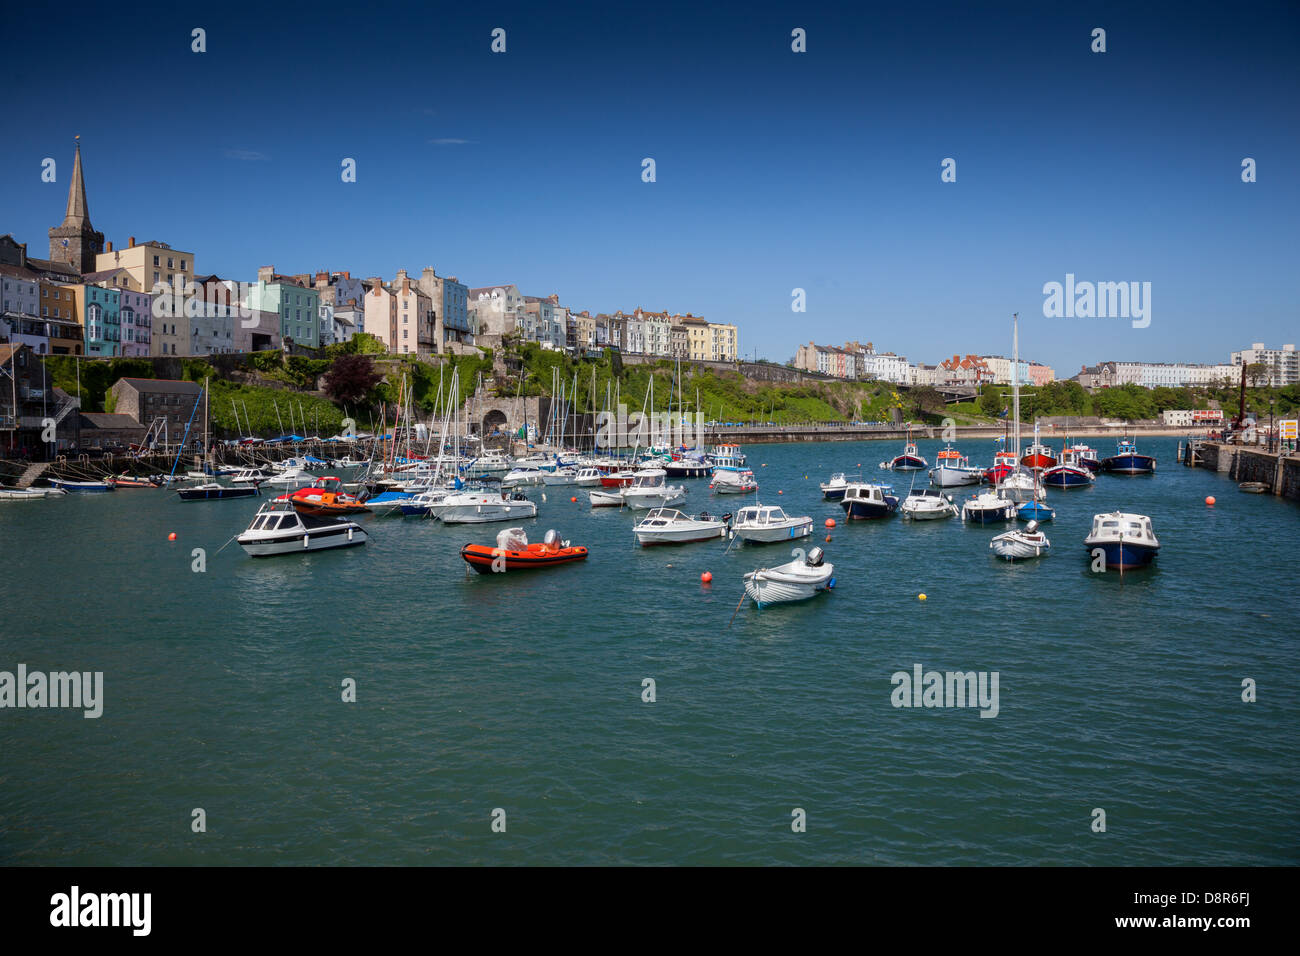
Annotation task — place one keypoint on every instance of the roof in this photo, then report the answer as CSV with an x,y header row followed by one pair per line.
x,y
161,385
109,420
101,276
7,351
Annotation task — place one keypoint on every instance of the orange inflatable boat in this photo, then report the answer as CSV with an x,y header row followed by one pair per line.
x,y
513,553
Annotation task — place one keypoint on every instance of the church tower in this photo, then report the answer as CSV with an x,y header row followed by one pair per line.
x,y
76,242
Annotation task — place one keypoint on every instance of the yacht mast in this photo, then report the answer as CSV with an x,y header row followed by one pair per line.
x,y
1015,375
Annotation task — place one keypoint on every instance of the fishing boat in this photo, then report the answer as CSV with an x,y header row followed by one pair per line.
x,y
1019,544
988,507
1086,457
833,490
767,523
1034,511
952,469
650,489
29,494
1038,456
798,580
925,504
670,526
1127,461
727,456
733,481
278,528
909,460
82,487
864,500
687,466
1070,472
326,497
514,553
215,491
1124,540
480,507
1004,463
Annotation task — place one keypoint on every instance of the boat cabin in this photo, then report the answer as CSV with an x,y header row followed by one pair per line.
x,y
758,515
865,492
1134,528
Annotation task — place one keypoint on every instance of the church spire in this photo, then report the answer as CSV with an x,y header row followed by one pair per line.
x,y
78,213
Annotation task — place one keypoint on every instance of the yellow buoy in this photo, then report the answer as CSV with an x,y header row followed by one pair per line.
x,y
920,597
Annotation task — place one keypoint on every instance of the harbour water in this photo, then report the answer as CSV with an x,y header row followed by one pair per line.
x,y
524,692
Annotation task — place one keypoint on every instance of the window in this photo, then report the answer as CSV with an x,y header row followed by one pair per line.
x,y
183,267
155,260
45,293
170,264
155,275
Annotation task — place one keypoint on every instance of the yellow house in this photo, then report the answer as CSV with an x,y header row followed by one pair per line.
x,y
724,342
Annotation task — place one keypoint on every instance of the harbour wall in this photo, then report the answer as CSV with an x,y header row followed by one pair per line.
x,y
1243,463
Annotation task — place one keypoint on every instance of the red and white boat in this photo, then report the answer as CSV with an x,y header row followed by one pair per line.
x,y
1004,463
1038,456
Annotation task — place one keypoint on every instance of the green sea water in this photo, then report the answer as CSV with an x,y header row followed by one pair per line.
x,y
524,692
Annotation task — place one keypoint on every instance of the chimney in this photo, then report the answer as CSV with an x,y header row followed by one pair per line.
x,y
108,247
22,254
348,275
130,243
266,274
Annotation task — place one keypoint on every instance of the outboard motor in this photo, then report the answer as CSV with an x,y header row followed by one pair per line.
x,y
552,539
1032,527
814,557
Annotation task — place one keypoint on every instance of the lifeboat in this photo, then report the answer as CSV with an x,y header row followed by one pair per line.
x,y
514,553
326,498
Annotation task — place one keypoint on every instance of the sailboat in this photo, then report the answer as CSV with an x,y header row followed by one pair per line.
x,y
1020,484
211,490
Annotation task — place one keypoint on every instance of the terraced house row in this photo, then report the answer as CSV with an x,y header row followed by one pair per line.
x,y
149,298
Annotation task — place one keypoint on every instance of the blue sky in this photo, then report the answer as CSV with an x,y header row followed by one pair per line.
x,y
775,170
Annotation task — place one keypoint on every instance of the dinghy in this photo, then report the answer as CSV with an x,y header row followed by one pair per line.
x,y
798,580
514,553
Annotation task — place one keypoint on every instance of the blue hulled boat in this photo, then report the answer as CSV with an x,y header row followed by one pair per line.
x,y
863,500
1127,461
1124,540
1035,511
1072,472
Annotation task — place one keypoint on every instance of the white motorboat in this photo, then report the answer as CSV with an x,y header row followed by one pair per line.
x,y
670,526
766,523
1125,540
650,489
987,508
833,490
952,469
292,478
1022,485
798,580
1027,542
29,494
588,477
278,528
492,463
923,504
561,476
249,476
523,475
479,508
733,481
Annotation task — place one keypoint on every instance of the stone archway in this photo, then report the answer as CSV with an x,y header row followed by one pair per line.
x,y
494,420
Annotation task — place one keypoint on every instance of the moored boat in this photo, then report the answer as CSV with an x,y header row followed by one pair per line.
x,y
833,490
924,504
733,481
650,489
797,580
1004,463
1021,543
909,460
132,481
479,508
1122,540
1038,456
326,497
215,491
278,528
29,494
82,487
767,523
1070,472
1034,511
953,469
988,507
1127,461
513,552
606,499
670,526
864,500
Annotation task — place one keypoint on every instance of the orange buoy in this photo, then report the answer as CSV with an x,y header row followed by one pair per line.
x,y
780,492
1210,501
172,536
573,499
830,522
706,577
828,539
